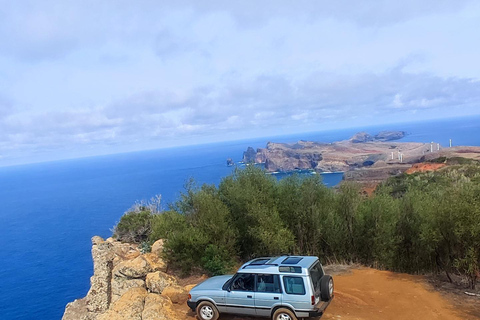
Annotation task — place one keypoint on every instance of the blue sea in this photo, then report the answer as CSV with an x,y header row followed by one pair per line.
x,y
50,211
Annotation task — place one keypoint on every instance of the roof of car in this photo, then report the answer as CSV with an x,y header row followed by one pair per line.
x,y
279,265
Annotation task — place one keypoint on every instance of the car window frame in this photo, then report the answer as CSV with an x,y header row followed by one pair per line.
x,y
230,286
268,274
295,294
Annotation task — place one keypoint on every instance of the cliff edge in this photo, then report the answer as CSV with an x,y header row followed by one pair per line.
x,y
127,284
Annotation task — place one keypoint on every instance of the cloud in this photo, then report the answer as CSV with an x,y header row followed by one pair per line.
x,y
267,103
154,73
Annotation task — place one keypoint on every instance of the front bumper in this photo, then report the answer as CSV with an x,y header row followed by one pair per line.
x,y
192,305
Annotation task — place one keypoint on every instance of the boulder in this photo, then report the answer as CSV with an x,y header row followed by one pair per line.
x,y
120,285
157,247
133,269
158,281
128,307
158,308
177,294
156,263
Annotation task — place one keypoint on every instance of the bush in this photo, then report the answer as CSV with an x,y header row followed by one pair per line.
x,y
134,227
216,260
424,222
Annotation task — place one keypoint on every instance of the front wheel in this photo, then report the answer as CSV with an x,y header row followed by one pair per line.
x,y
283,314
207,311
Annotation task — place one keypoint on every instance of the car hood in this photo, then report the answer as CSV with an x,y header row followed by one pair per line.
x,y
215,283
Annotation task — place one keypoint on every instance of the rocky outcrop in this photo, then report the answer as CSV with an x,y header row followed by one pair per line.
x,y
127,285
249,155
99,296
361,137
158,281
390,135
361,151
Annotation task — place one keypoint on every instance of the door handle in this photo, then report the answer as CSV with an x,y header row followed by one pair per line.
x,y
249,296
275,298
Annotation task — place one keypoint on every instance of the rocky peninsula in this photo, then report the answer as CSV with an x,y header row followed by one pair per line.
x,y
363,157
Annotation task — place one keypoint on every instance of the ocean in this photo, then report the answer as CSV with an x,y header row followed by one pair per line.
x,y
49,211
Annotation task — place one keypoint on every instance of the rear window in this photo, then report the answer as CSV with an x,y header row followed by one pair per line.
x,y
294,285
316,273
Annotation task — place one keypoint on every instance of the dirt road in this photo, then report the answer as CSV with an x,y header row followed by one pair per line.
x,y
369,294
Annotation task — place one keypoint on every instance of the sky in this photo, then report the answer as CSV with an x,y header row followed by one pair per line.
x,y
83,78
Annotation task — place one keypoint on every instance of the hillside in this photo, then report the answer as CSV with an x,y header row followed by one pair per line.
x,y
363,158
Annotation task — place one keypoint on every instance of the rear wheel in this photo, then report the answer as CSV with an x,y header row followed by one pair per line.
x,y
283,314
207,311
326,288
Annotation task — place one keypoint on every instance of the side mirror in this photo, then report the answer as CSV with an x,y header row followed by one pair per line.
x,y
229,289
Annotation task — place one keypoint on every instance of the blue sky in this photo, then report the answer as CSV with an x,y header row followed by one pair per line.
x,y
81,78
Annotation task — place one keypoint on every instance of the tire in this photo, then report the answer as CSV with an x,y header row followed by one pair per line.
x,y
207,311
283,314
326,288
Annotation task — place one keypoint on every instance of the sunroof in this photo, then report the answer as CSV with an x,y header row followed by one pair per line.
x,y
259,261
291,260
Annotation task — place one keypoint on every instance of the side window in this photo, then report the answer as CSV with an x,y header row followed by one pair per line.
x,y
268,283
294,285
243,282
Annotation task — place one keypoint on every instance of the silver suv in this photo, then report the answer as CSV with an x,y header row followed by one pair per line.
x,y
282,288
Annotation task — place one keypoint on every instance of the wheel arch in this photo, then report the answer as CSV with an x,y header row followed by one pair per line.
x,y
289,307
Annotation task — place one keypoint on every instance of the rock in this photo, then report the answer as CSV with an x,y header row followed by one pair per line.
x,y
156,263
177,294
189,287
157,281
390,135
249,155
98,297
120,285
361,137
157,247
123,251
230,162
129,307
77,310
158,307
136,268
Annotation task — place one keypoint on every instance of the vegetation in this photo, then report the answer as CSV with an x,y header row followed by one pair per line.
x,y
424,222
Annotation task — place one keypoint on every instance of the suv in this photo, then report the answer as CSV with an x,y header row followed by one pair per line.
x,y
282,288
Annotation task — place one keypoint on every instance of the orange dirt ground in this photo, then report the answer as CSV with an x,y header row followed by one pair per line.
x,y
424,167
369,294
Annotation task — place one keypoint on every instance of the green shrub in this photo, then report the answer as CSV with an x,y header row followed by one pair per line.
x,y
134,227
217,260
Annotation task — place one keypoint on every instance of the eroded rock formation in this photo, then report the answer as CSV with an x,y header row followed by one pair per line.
x,y
127,285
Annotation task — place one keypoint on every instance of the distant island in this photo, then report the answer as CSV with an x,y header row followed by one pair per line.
x,y
363,157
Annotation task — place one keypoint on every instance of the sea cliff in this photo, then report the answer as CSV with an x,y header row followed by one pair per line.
x,y
127,284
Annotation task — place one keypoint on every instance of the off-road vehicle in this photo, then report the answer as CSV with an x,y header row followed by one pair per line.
x,y
282,288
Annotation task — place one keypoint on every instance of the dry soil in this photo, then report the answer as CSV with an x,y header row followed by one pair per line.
x,y
369,294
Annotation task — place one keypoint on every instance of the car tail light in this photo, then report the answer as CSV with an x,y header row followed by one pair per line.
x,y
189,296
313,300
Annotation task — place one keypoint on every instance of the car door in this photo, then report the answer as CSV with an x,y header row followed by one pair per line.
x,y
267,294
240,298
